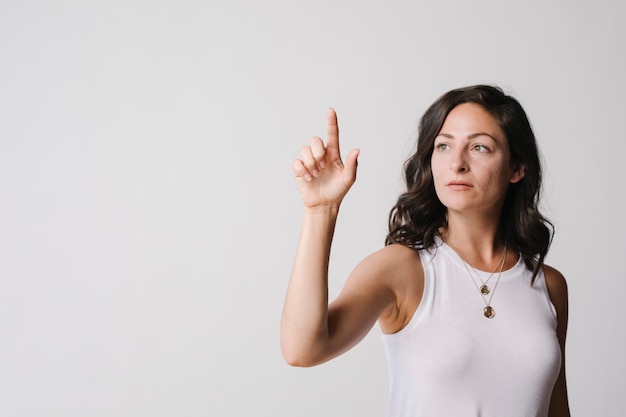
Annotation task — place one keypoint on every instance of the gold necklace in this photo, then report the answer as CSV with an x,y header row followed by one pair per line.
x,y
489,312
484,289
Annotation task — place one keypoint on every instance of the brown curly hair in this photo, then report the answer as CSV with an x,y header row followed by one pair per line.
x,y
418,215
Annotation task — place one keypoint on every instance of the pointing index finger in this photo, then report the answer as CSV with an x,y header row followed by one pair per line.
x,y
332,139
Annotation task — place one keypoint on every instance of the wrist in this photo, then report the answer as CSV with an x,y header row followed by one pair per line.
x,y
322,210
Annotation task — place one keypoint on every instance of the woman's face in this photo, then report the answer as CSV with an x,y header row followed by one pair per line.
x,y
471,163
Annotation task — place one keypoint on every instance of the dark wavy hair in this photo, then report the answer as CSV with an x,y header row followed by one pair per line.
x,y
418,215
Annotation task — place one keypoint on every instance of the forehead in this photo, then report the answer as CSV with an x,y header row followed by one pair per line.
x,y
470,119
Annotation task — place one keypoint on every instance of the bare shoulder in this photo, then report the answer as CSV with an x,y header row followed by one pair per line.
x,y
392,263
557,290
395,253
400,268
556,283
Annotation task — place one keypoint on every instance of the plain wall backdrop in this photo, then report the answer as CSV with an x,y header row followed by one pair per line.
x,y
149,217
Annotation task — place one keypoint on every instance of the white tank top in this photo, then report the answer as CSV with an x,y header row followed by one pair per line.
x,y
452,361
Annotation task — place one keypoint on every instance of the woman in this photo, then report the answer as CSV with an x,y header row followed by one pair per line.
x,y
473,322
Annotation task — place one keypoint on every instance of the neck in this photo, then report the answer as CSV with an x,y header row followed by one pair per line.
x,y
479,241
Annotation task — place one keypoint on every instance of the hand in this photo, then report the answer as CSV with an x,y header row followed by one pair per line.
x,y
322,178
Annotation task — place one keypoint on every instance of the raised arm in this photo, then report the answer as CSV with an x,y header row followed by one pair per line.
x,y
310,332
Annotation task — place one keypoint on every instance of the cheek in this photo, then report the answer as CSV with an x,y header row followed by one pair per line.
x,y
436,168
498,181
438,178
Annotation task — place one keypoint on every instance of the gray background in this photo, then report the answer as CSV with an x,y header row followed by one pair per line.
x,y
148,215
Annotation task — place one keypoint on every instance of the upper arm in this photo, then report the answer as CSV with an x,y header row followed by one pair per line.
x,y
557,290
376,287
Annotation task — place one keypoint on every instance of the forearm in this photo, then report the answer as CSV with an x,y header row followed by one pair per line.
x,y
304,325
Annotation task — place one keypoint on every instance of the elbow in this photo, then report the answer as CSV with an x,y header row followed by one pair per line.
x,y
296,357
298,362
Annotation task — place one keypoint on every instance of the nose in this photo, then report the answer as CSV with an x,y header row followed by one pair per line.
x,y
458,162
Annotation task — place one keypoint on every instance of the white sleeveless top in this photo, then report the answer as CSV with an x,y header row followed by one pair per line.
x,y
452,361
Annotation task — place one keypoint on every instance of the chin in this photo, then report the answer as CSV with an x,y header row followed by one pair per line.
x,y
458,204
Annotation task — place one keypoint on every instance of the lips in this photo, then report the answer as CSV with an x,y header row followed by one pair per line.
x,y
459,185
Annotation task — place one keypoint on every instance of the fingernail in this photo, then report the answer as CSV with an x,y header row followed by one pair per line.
x,y
315,172
307,177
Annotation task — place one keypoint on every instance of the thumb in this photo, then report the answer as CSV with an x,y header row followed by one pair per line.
x,y
352,161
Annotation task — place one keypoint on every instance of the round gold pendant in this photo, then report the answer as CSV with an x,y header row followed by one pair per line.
x,y
489,312
484,290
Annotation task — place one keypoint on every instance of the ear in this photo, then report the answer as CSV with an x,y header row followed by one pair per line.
x,y
518,173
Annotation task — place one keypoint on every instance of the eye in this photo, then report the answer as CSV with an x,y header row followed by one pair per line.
x,y
442,146
479,147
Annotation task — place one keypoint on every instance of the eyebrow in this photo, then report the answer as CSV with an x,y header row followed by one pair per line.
x,y
470,136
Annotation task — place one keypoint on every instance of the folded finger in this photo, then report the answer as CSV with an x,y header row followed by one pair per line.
x,y
309,161
319,151
300,171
